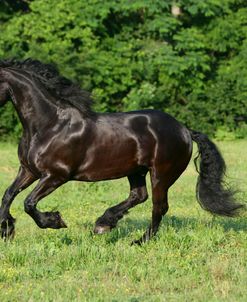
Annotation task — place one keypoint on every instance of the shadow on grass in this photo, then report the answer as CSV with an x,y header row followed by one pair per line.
x,y
129,225
237,225
177,223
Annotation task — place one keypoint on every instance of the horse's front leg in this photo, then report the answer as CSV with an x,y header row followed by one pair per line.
x,y
44,187
22,181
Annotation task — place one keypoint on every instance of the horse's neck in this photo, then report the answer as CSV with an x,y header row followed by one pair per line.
x,y
33,107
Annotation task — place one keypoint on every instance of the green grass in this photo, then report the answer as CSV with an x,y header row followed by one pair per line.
x,y
194,257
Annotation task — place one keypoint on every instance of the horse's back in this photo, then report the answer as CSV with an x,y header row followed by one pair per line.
x,y
156,135
143,124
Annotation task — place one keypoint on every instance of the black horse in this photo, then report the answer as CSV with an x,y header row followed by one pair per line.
x,y
63,139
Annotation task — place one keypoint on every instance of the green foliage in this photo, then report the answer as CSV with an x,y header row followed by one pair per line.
x,y
9,122
137,54
223,133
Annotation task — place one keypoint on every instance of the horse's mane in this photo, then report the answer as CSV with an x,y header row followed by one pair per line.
x,y
57,85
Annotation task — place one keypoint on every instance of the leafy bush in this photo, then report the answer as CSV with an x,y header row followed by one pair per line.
x,y
137,54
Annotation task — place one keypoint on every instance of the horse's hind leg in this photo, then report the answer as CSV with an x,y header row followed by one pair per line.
x,y
22,181
160,207
138,194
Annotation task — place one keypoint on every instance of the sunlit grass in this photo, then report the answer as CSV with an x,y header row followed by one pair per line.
x,y
195,256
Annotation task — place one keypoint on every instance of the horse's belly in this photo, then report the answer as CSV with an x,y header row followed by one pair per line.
x,y
105,173
112,163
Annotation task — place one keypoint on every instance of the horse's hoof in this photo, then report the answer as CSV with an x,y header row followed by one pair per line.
x,y
56,221
62,224
102,229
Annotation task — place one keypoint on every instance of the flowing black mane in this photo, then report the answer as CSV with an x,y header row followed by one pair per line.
x,y
50,77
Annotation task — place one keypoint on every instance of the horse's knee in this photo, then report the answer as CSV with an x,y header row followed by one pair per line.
x,y
142,195
138,196
28,206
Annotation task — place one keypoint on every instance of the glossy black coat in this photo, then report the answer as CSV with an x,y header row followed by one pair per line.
x,y
63,139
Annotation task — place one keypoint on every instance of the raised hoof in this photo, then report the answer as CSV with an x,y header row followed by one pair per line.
x,y
62,224
52,220
58,223
102,229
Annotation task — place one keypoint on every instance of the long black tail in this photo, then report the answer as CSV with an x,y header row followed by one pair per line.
x,y
211,194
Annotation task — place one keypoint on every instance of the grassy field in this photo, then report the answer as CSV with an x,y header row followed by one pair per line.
x,y
195,257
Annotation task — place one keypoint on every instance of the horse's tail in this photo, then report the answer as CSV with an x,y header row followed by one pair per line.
x,y
211,194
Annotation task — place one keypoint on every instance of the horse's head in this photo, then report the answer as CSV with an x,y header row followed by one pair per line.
x,y
4,90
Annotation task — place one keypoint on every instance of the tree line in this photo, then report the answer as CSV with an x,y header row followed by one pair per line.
x,y
185,57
